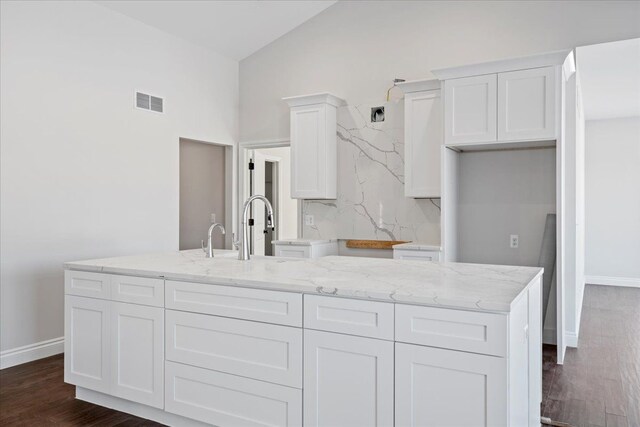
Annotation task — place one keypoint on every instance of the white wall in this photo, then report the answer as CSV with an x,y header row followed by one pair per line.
x,y
356,48
503,193
612,200
84,174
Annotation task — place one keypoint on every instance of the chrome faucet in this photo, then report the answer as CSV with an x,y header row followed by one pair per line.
x,y
209,248
243,254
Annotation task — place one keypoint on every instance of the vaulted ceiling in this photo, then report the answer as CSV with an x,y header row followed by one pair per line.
x,y
235,29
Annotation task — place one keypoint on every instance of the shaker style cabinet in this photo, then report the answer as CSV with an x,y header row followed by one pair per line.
x,y
470,109
526,104
501,107
422,138
86,344
440,387
113,347
348,380
314,163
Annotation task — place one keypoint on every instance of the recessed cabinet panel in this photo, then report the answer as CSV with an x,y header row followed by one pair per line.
x,y
308,151
138,290
437,387
87,284
257,350
526,104
423,139
348,380
470,109
86,344
283,308
228,400
137,353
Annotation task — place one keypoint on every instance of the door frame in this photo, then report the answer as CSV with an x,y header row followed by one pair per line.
x,y
230,188
243,182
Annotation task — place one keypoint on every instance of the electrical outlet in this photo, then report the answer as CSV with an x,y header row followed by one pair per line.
x,y
213,218
308,220
513,240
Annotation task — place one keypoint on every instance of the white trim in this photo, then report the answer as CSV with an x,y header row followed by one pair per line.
x,y
266,143
31,352
502,65
133,408
571,339
315,98
631,282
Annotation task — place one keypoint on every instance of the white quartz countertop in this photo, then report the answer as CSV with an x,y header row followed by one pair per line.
x,y
456,285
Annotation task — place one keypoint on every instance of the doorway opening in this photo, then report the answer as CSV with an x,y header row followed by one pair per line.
x,y
267,173
204,196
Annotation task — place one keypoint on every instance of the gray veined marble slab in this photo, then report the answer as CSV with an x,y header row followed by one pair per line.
x,y
370,200
466,286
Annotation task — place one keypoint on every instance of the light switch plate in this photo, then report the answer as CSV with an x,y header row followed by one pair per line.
x,y
514,240
213,218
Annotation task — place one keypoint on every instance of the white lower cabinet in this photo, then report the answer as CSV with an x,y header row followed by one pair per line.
x,y
86,344
115,348
228,400
348,381
137,353
439,387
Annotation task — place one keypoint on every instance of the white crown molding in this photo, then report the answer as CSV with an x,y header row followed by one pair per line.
x,y
547,59
315,98
31,352
630,282
419,85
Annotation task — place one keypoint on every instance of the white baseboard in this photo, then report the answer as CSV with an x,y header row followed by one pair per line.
x,y
572,339
31,352
631,282
549,337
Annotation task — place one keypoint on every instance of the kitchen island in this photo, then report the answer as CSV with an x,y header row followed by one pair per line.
x,y
334,341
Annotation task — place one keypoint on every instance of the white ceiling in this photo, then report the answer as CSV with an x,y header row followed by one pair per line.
x,y
235,29
610,79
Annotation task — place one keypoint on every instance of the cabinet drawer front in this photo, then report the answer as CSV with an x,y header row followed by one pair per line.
x,y
256,350
349,316
138,290
292,251
87,284
228,400
484,333
284,308
416,255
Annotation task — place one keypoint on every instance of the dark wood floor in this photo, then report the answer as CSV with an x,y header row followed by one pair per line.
x,y
34,394
599,384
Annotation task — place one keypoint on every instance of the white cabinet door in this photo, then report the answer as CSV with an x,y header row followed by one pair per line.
x,y
470,110
526,104
137,353
348,381
86,344
313,152
423,139
437,387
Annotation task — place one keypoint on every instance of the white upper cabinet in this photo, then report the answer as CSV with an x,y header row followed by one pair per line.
x,y
422,138
510,101
526,104
470,109
314,146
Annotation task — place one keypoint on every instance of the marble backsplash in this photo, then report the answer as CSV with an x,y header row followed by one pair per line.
x,y
371,202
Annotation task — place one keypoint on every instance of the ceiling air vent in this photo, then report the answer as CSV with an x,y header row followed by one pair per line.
x,y
149,102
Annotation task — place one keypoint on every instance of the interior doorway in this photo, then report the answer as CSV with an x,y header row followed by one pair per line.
x,y
203,192
267,172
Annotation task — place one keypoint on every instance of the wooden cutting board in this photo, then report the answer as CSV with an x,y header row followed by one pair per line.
x,y
373,244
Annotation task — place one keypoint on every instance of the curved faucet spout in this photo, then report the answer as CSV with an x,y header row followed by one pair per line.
x,y
208,250
243,254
